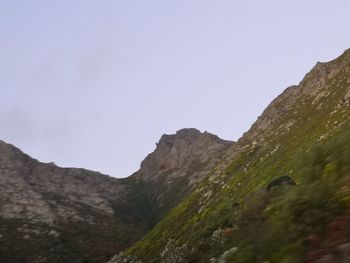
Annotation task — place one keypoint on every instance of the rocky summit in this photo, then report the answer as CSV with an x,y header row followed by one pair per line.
x,y
54,214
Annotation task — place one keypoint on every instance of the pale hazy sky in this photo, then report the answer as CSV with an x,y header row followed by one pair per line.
x,y
95,84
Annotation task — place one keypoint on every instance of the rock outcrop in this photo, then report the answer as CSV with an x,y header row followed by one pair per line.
x,y
174,152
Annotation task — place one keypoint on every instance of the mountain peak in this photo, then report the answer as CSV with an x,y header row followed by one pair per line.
x,y
185,147
183,134
188,135
188,132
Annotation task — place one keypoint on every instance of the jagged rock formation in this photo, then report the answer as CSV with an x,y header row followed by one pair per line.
x,y
53,214
174,151
179,162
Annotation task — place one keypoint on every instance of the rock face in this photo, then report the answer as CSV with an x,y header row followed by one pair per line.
x,y
53,214
177,165
174,152
43,192
47,211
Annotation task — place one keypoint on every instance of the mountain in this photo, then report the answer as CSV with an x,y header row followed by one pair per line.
x,y
280,194
53,214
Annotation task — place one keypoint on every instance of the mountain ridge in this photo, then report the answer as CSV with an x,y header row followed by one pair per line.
x,y
303,116
75,214
192,197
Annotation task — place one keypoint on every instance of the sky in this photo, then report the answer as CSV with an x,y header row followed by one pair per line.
x,y
95,84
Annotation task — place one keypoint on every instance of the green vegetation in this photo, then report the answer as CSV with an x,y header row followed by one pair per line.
x,y
231,217
269,226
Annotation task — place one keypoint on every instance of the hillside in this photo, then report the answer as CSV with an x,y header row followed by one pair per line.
x,y
280,194
53,214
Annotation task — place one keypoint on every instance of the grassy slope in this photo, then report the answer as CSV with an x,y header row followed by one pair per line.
x,y
237,197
